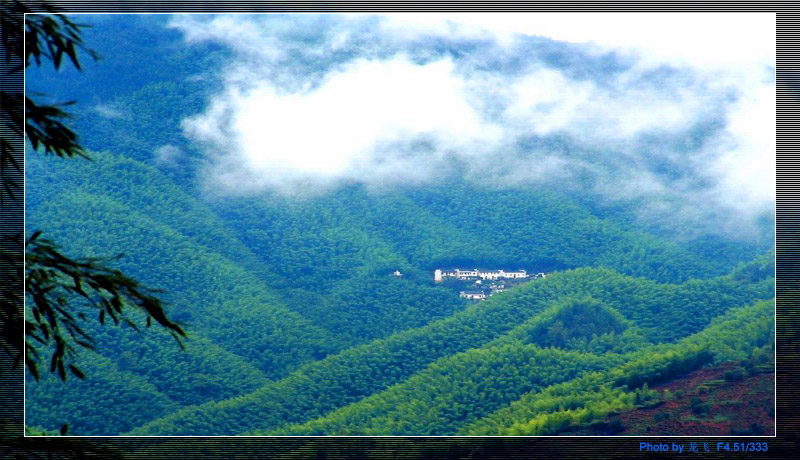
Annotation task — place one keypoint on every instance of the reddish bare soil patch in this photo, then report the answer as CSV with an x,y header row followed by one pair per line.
x,y
702,403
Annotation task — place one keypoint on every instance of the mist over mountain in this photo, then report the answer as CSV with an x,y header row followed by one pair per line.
x,y
313,102
291,182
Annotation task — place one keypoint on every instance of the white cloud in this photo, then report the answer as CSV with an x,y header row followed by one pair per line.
x,y
167,155
698,40
355,124
313,101
549,102
744,154
107,111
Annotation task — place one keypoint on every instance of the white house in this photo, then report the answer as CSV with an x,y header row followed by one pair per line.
x,y
516,274
467,274
474,295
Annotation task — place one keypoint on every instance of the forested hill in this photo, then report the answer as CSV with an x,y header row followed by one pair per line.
x,y
296,324
303,280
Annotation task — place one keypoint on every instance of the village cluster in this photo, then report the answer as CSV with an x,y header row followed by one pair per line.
x,y
499,280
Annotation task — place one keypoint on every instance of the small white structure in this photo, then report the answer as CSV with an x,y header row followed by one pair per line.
x,y
467,274
492,274
473,295
516,274
397,274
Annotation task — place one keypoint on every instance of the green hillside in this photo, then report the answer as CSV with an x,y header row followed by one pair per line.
x,y
592,397
303,280
357,372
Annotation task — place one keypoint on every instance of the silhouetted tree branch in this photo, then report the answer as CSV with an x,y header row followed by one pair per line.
x,y
55,282
58,287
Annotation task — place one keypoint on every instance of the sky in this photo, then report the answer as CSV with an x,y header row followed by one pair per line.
x,y
677,109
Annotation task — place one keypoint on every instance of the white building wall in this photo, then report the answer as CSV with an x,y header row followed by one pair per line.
x,y
439,275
